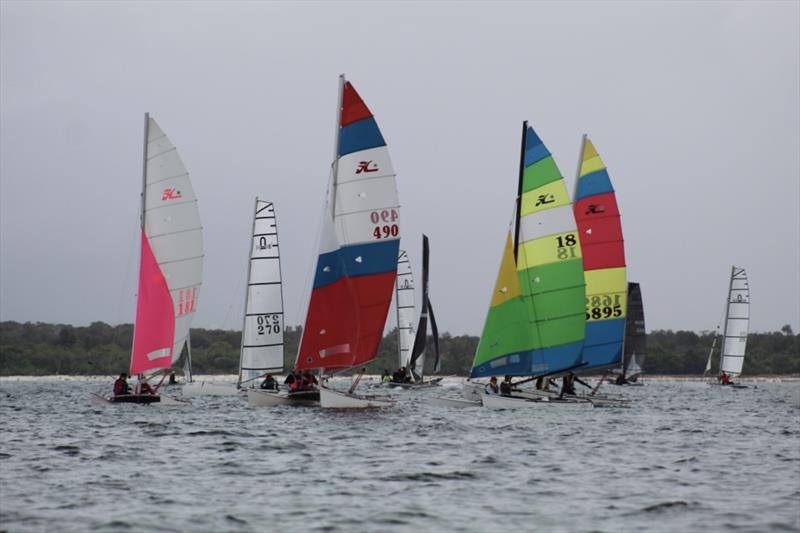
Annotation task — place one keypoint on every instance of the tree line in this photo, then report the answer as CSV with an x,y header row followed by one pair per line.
x,y
42,349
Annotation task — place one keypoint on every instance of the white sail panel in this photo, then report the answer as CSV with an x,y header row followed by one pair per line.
x,y
405,308
737,322
173,228
365,165
263,327
549,222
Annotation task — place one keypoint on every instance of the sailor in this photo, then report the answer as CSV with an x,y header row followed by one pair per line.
x,y
399,375
269,383
292,381
172,380
505,386
121,385
724,379
142,387
491,387
385,377
309,381
568,384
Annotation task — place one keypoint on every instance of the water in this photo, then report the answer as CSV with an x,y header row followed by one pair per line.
x,y
686,457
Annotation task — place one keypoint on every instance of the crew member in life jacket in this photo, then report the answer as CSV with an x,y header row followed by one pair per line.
x,y
269,383
121,385
568,384
308,381
505,387
293,381
142,386
491,387
725,379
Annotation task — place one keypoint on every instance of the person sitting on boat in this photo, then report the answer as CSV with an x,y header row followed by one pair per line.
x,y
385,377
399,376
121,385
292,380
269,383
725,379
142,386
172,380
506,387
568,385
309,382
491,387
542,383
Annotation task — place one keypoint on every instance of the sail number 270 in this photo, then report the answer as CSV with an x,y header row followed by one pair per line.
x,y
385,223
268,324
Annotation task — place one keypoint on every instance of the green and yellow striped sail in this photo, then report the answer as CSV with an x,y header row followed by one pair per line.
x,y
535,324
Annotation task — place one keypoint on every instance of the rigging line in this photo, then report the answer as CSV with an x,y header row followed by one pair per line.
x,y
124,285
235,295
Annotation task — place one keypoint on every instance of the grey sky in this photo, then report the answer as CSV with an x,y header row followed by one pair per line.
x,y
693,107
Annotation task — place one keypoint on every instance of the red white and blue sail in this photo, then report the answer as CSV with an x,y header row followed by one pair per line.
x,y
357,262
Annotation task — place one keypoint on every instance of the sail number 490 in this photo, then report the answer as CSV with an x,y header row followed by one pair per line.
x,y
384,221
268,324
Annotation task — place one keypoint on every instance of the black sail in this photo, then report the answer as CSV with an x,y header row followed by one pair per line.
x,y
422,327
635,336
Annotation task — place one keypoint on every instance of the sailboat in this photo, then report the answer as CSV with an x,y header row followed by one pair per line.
x,y
261,350
357,259
170,265
536,320
404,299
736,323
635,346
415,364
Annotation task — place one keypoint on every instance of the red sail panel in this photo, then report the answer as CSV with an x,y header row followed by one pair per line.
x,y
601,232
155,316
345,320
353,107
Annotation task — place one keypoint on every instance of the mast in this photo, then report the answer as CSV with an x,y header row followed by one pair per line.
x,y
247,290
519,188
187,365
144,166
336,144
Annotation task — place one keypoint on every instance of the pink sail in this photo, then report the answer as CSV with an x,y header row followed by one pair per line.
x,y
155,326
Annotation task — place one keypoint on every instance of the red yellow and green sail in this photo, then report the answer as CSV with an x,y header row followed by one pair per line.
x,y
535,324
598,218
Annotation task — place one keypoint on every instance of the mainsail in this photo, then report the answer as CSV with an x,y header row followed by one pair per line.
x,y
737,320
417,362
262,331
405,309
535,324
598,219
171,261
635,334
357,262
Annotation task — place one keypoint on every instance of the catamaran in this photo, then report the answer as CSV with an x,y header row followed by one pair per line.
x,y
736,323
535,323
357,259
170,264
413,359
261,349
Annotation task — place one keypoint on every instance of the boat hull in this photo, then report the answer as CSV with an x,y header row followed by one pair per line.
x,y
266,398
332,399
496,401
140,399
423,385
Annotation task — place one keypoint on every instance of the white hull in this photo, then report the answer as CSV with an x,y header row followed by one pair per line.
x,y
473,391
496,401
331,399
265,398
449,402
201,388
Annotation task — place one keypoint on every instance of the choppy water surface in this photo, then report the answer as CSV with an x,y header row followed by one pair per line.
x,y
686,457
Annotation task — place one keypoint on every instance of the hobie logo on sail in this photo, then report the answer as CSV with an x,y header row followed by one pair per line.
x,y
543,199
364,166
171,193
593,209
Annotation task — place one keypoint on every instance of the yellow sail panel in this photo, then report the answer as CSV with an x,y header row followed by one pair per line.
x,y
552,249
507,286
553,194
606,294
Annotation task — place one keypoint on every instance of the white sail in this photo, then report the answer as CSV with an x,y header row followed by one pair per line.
x,y
171,230
262,332
405,308
737,320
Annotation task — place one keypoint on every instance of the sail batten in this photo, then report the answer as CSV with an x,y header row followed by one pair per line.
x,y
737,321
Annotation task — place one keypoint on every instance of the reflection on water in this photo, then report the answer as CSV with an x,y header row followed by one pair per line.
x,y
686,457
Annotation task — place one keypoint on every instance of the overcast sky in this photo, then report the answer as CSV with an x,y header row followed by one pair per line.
x,y
694,107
